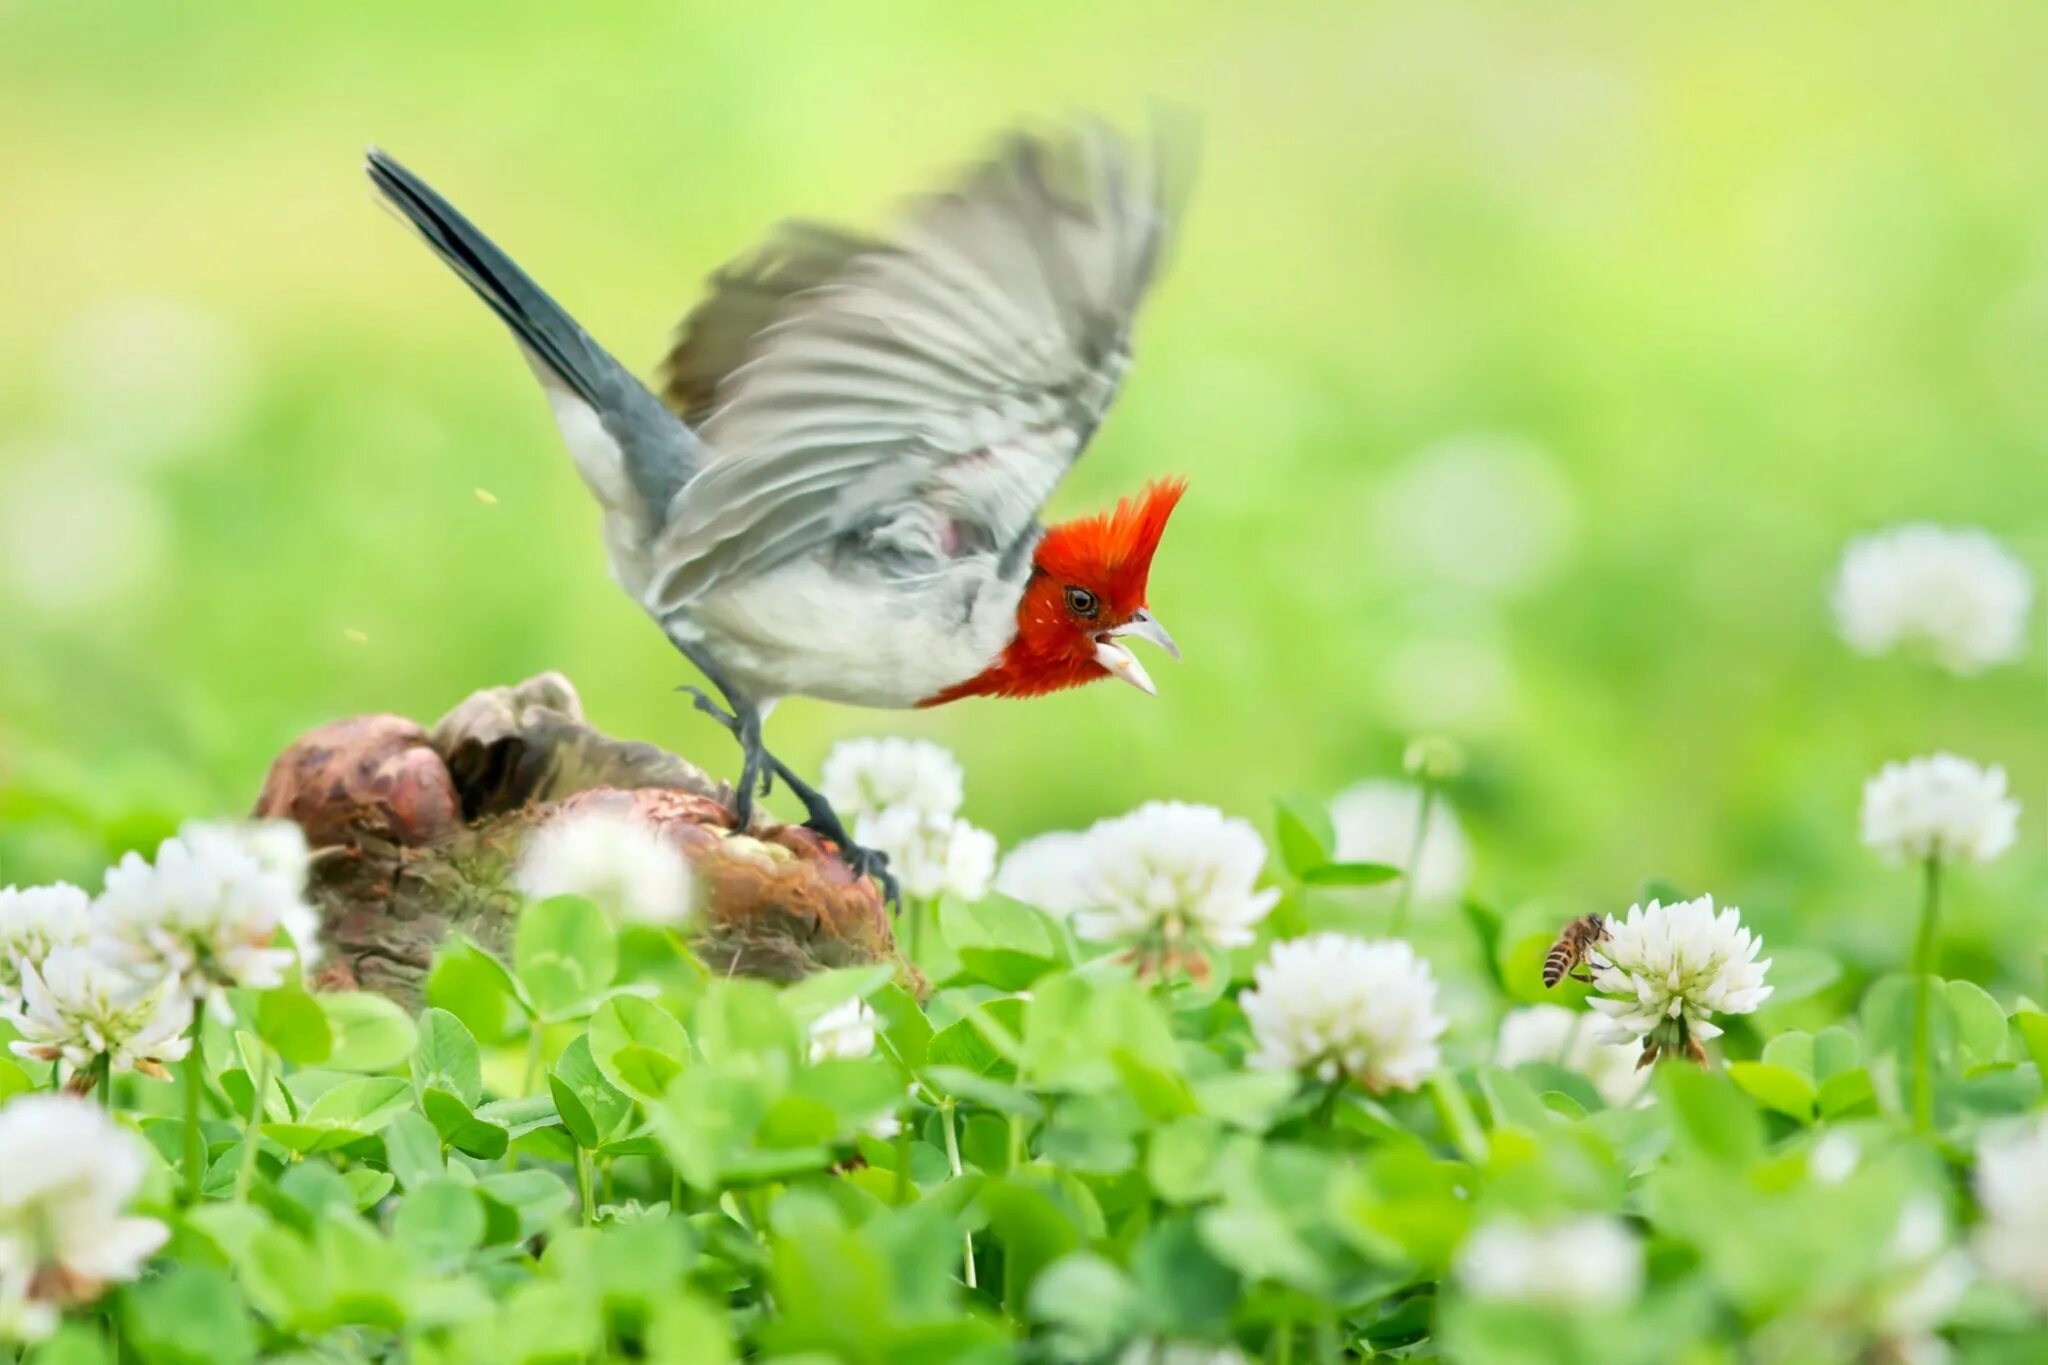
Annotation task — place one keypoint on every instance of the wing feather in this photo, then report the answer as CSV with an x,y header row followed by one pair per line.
x,y
745,297
949,375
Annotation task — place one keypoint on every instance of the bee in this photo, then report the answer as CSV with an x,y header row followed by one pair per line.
x,y
1568,954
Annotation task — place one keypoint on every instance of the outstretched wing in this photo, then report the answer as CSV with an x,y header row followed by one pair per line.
x,y
931,388
744,298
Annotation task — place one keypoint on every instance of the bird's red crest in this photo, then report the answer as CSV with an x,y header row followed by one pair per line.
x,y
1111,552
1089,580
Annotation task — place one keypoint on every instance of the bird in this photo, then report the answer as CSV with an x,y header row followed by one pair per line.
x,y
837,492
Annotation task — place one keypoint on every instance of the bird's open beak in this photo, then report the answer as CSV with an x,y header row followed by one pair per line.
x,y
1124,664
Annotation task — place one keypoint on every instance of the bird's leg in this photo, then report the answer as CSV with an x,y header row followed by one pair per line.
x,y
823,821
704,703
743,719
732,723
820,818
753,766
745,724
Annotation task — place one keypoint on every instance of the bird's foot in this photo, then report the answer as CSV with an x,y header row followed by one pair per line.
x,y
821,819
704,703
824,822
866,862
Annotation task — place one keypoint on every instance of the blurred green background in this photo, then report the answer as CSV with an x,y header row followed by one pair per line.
x,y
1530,364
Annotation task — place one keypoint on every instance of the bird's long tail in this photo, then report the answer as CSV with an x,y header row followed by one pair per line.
x,y
632,451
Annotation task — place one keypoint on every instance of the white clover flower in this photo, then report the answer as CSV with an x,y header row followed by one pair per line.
x,y
45,496
1552,1033
1162,1351
1892,1311
185,377
931,855
78,1007
1049,872
1375,823
1170,869
846,1031
22,1318
1484,511
209,909
1331,1004
1922,1277
1956,594
67,1172
278,846
1834,1157
35,920
618,861
1667,969
2011,1184
888,1126
1588,1262
1939,807
868,776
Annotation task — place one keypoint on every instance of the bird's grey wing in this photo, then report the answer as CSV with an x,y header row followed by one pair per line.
x,y
935,387
740,302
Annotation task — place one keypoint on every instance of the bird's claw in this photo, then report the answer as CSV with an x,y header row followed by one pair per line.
x,y
703,702
864,862
872,862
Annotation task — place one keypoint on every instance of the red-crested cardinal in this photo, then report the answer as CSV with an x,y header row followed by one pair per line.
x,y
840,497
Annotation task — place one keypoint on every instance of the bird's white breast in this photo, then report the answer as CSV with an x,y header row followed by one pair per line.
x,y
803,629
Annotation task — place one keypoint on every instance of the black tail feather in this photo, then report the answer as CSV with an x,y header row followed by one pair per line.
x,y
547,332
658,451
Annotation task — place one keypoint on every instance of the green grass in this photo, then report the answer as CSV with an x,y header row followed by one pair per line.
x,y
1752,279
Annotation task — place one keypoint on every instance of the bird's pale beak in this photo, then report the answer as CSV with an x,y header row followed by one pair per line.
x,y
1113,656
1144,627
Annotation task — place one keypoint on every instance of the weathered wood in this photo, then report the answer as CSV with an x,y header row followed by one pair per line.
x,y
419,833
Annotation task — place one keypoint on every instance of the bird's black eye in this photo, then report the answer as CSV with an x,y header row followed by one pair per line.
x,y
1083,603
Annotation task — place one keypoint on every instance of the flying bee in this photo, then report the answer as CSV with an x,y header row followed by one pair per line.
x,y
1568,954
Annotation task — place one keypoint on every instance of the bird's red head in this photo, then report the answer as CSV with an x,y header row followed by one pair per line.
x,y
1086,591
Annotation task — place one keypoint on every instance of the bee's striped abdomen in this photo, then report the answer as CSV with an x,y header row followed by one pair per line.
x,y
1573,943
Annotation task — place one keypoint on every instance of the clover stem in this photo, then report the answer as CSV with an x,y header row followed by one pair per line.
x,y
103,1079
1454,1111
534,1043
1326,1107
586,1195
259,1081
195,1083
1923,1002
1405,898
953,1160
920,909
